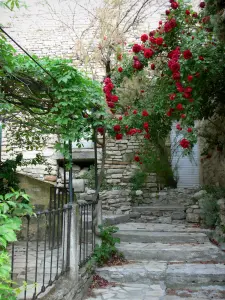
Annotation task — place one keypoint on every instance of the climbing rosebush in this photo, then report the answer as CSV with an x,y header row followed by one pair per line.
x,y
167,77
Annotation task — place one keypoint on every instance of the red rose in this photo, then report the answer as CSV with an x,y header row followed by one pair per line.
x,y
120,69
145,125
159,41
136,48
201,57
116,128
137,158
145,113
135,112
120,118
206,19
167,12
179,106
169,113
148,53
187,12
188,89
152,40
176,76
138,65
184,143
190,78
189,129
147,136
142,91
197,74
174,5
195,15
152,33
187,54
183,116
153,66
119,136
174,54
111,104
132,131
100,130
174,66
202,4
167,27
178,127
114,98
172,96
144,37
186,95
173,23
179,87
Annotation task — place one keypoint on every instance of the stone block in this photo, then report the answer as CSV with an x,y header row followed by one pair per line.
x,y
199,195
192,218
179,215
50,178
78,185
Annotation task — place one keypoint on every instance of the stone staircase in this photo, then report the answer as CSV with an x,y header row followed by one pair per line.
x,y
163,213
166,262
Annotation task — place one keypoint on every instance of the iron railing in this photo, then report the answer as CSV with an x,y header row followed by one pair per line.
x,y
88,222
42,253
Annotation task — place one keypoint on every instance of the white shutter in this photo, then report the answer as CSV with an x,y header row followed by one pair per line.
x,y
186,168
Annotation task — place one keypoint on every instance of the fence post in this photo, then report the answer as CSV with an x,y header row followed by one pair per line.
x,y
74,242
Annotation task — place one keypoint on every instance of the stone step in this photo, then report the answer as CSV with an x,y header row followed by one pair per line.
x,y
175,276
172,252
154,227
161,214
189,275
146,272
162,237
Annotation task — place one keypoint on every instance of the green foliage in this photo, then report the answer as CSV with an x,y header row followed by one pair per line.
x,y
107,249
10,4
216,10
12,207
8,177
68,104
138,179
210,211
218,192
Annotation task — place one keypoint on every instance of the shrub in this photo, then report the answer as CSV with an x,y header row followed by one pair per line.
x,y
210,211
107,250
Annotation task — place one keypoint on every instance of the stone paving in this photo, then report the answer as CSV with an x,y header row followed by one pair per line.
x,y
189,267
51,266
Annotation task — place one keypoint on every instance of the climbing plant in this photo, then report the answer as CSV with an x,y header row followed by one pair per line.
x,y
169,76
34,104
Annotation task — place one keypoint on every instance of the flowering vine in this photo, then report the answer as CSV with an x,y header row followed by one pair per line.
x,y
177,61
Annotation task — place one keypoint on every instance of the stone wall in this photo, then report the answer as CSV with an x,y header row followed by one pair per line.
x,y
195,214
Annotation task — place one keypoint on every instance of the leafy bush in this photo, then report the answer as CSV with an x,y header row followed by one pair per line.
x,y
107,249
217,192
210,211
8,177
138,179
12,207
